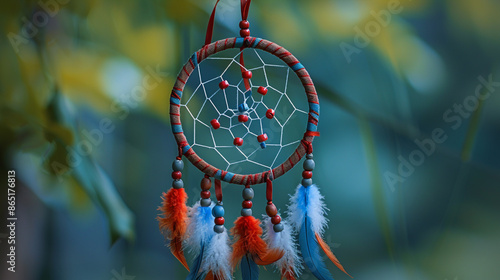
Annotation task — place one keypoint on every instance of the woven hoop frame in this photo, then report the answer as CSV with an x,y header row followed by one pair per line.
x,y
248,42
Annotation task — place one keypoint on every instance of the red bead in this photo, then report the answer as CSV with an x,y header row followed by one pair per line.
x,y
215,123
307,174
219,221
238,141
205,184
246,204
224,84
176,175
244,24
271,210
262,90
262,137
205,194
270,113
276,220
245,32
247,74
242,118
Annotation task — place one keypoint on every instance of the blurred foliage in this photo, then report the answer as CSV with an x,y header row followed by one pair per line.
x,y
80,68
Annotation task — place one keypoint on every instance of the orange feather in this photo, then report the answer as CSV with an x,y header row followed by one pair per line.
x,y
288,274
210,276
247,233
270,257
329,253
173,221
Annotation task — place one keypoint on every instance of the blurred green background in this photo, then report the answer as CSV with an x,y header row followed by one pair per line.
x,y
92,156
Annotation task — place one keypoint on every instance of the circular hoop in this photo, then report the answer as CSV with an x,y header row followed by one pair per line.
x,y
248,42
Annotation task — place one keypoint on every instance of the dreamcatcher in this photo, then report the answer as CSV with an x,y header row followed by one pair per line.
x,y
242,120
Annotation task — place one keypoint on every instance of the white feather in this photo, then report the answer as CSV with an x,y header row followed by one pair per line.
x,y
217,256
199,229
285,241
313,205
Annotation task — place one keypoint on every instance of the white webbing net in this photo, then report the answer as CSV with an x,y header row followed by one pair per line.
x,y
204,101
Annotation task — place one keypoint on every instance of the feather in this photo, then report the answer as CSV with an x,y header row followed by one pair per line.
x,y
270,257
172,221
247,232
200,228
217,260
329,253
307,201
249,248
195,273
310,252
306,214
289,265
249,269
210,276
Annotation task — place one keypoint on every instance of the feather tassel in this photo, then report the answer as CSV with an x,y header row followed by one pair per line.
x,y
249,269
200,229
249,248
217,261
329,253
172,221
289,265
307,215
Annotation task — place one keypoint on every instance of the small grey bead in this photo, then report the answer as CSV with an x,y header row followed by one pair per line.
x,y
307,182
246,212
178,165
248,193
178,184
278,227
309,156
205,202
219,228
309,164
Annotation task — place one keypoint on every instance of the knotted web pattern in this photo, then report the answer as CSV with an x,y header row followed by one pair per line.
x,y
207,101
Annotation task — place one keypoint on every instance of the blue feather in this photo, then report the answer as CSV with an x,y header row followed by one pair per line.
x,y
249,269
310,252
195,268
203,222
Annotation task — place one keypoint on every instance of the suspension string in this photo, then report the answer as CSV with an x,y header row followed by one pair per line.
x,y
245,32
245,8
210,27
269,187
218,190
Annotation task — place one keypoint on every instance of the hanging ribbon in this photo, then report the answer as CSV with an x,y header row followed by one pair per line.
x,y
210,27
245,8
218,190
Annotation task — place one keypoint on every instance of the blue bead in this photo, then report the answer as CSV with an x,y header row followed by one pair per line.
x,y
263,145
243,107
218,211
278,227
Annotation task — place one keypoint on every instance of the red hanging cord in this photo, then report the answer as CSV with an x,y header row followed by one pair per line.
x,y
218,190
245,8
210,27
269,188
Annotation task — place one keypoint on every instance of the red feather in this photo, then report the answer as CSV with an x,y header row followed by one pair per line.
x,y
329,253
287,274
247,233
270,257
173,221
212,276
